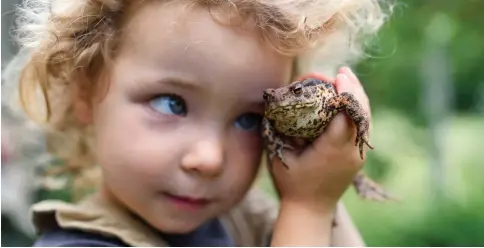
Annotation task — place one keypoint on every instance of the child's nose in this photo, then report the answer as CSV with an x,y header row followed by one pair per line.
x,y
205,157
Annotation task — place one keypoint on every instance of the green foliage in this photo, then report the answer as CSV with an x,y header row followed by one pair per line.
x,y
423,218
11,237
392,75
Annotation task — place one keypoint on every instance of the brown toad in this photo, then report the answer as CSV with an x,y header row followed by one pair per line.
x,y
302,110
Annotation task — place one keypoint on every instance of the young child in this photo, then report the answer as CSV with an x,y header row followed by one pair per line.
x,y
166,98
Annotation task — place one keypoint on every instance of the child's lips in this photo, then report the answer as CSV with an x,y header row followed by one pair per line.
x,y
187,201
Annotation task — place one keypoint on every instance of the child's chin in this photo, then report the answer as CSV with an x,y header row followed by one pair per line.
x,y
173,226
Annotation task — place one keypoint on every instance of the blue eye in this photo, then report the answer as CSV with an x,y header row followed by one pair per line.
x,y
249,122
169,105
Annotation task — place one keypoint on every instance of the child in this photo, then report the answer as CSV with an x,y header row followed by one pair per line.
x,y
166,97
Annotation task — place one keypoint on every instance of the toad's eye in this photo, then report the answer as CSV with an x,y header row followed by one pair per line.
x,y
296,90
169,105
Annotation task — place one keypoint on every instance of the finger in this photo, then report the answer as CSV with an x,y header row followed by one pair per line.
x,y
354,85
357,90
338,133
343,84
350,74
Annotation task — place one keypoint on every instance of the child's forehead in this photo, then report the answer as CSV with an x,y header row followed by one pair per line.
x,y
161,35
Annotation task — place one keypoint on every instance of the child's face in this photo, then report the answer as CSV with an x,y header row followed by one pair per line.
x,y
177,134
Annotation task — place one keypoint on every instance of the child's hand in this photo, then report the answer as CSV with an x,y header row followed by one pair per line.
x,y
319,175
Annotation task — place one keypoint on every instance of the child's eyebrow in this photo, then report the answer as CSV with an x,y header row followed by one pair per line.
x,y
181,83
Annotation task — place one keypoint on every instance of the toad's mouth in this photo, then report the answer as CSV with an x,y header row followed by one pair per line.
x,y
285,108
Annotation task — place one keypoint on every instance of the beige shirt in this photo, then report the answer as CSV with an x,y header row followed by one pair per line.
x,y
249,223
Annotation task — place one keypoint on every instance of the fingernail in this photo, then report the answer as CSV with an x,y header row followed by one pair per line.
x,y
342,82
347,70
342,76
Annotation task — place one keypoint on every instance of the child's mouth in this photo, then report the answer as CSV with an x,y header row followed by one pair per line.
x,y
187,202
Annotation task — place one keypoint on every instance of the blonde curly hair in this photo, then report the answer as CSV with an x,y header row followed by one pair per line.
x,y
70,42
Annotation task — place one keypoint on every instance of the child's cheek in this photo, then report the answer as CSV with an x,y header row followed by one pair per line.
x,y
250,144
125,136
243,162
249,150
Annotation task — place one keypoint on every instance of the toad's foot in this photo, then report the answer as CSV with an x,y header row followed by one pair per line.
x,y
274,143
370,190
347,101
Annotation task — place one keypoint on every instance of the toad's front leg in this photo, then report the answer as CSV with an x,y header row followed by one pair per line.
x,y
353,108
274,142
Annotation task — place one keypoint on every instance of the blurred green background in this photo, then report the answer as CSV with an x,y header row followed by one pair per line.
x,y
427,94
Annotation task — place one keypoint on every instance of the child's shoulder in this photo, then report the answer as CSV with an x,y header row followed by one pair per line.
x,y
93,218
60,237
95,222
48,217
